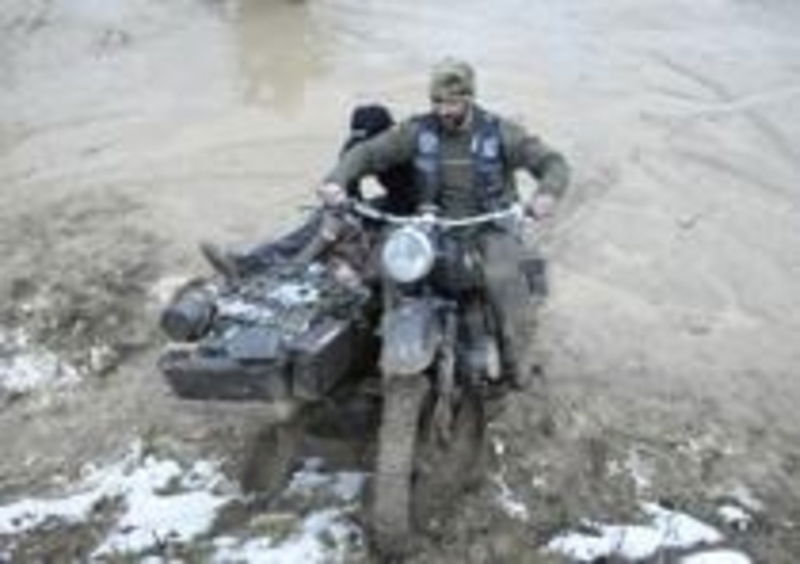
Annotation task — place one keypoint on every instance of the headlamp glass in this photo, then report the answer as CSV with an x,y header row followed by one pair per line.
x,y
408,255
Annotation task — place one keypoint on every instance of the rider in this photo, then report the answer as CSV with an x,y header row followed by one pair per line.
x,y
366,121
464,159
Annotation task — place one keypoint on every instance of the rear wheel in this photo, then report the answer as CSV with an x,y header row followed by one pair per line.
x,y
270,455
403,399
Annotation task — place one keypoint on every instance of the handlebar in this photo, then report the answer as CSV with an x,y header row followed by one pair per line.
x,y
514,211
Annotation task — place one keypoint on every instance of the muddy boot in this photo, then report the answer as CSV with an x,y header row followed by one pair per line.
x,y
519,373
518,377
221,261
535,271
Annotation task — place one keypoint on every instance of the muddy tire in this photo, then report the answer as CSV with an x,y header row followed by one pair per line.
x,y
270,456
443,472
391,499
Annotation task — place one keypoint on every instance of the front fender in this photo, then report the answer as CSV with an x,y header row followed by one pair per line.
x,y
411,334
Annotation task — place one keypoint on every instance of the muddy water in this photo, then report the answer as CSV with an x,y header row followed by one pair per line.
x,y
675,256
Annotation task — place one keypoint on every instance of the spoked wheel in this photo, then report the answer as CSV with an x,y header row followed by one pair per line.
x,y
403,399
445,470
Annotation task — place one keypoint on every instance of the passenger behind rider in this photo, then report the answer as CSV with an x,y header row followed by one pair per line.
x,y
399,197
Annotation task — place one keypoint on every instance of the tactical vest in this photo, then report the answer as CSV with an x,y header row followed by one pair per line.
x,y
486,150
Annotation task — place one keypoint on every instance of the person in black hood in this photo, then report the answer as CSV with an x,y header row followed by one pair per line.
x,y
366,122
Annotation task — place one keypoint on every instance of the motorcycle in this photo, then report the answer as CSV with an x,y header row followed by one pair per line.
x,y
301,334
439,361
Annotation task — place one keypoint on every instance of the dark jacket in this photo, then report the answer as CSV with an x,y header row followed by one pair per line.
x,y
398,181
398,147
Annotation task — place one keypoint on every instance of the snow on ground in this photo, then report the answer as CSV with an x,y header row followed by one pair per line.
x,y
666,529
735,517
322,537
508,501
663,529
151,516
25,366
717,557
163,502
160,500
505,496
346,486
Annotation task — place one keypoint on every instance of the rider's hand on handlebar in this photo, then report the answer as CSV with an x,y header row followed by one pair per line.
x,y
331,194
427,213
541,206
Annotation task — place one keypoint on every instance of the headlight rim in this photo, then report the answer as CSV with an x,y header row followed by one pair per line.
x,y
428,253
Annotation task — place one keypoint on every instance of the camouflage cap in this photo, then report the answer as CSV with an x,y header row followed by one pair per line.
x,y
452,78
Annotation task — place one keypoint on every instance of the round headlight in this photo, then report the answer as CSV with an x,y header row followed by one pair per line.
x,y
407,255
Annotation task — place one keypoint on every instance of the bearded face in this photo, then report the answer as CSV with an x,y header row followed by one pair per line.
x,y
452,112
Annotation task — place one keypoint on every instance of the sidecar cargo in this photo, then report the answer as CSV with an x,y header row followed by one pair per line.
x,y
277,335
251,366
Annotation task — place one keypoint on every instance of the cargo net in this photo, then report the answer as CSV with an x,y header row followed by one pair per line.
x,y
286,298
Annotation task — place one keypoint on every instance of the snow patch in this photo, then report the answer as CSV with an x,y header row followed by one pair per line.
x,y
506,497
323,537
717,557
160,501
639,471
154,515
746,498
346,486
28,514
100,356
734,516
666,530
508,501
150,502
26,366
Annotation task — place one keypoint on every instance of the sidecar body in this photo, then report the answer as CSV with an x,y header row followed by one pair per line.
x,y
292,331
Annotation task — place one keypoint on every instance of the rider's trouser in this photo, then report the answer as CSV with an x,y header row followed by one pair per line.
x,y
285,247
291,244
510,298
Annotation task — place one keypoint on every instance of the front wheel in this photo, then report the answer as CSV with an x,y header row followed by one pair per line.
x,y
446,470
403,398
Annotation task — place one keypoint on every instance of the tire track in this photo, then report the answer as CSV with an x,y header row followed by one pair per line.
x,y
727,101
723,166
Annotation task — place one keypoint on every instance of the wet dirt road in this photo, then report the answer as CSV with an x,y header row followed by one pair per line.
x,y
131,129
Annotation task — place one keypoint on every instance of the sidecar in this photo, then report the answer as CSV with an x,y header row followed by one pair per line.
x,y
291,331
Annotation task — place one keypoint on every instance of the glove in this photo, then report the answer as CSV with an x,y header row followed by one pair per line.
x,y
541,206
332,194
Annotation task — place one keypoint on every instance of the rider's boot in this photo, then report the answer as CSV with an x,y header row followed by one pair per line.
x,y
518,374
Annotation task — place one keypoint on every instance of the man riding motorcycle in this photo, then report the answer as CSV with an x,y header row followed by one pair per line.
x,y
464,158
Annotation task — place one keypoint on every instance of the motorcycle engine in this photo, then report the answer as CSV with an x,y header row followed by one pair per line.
x,y
458,268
